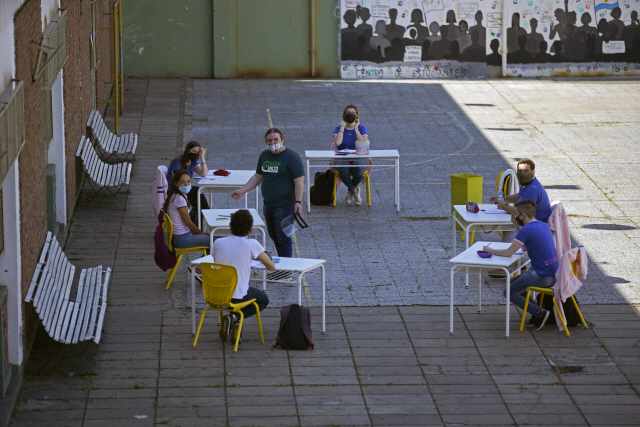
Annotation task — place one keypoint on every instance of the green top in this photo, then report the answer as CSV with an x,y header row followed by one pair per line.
x,y
278,172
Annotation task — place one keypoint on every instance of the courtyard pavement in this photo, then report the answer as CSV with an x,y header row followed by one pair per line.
x,y
387,357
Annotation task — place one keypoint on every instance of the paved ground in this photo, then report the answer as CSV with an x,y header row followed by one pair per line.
x,y
393,362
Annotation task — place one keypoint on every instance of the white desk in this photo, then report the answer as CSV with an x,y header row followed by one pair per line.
x,y
468,221
288,271
225,184
470,258
322,158
219,219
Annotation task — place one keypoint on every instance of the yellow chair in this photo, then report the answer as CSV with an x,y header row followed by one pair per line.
x,y
549,291
366,183
506,184
219,282
167,225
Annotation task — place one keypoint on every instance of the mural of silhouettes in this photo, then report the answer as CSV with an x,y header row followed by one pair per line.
x,y
482,31
494,58
393,30
559,27
434,27
452,30
349,35
411,37
534,38
586,28
379,39
631,31
422,32
426,56
475,52
514,33
454,51
543,57
364,14
520,56
616,13
572,48
441,47
464,39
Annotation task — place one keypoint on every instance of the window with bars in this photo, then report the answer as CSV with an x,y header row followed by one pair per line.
x,y
11,125
55,40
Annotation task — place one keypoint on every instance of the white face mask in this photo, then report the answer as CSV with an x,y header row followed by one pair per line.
x,y
275,147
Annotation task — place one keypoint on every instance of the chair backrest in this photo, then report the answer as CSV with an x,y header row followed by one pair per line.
x,y
167,226
219,282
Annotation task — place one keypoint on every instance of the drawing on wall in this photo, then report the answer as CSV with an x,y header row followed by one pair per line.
x,y
412,38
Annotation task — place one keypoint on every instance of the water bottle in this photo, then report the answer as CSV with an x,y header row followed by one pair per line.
x,y
500,196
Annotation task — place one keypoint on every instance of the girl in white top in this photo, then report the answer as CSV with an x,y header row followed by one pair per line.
x,y
237,250
185,233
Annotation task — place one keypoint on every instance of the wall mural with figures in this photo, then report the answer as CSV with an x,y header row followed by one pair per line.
x,y
462,38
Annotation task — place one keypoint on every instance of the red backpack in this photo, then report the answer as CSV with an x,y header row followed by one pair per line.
x,y
165,259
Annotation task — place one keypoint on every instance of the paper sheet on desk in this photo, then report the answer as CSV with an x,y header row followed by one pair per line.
x,y
346,151
209,179
494,211
256,263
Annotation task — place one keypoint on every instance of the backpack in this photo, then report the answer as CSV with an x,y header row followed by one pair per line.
x,y
570,312
321,193
295,328
165,259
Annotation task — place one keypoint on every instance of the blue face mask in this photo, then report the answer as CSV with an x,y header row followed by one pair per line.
x,y
184,189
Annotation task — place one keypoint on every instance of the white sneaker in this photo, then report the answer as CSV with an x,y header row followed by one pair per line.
x,y
349,199
357,197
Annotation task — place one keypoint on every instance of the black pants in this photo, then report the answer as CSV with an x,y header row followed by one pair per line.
x,y
192,196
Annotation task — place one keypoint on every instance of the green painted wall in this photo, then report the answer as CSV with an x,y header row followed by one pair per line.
x,y
167,38
228,38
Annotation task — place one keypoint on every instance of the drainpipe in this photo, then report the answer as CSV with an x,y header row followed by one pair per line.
x,y
505,5
312,49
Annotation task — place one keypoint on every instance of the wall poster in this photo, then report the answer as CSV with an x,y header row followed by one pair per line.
x,y
412,39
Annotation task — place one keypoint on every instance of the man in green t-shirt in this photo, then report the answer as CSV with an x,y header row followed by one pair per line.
x,y
281,173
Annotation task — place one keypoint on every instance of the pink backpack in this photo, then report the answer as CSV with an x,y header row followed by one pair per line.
x,y
165,259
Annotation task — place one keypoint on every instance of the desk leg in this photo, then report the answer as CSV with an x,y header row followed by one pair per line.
x,y
257,197
479,290
397,176
466,246
199,209
324,325
246,201
455,240
193,300
264,245
308,188
300,289
451,303
506,272
211,239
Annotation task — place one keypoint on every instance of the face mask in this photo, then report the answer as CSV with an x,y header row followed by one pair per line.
x,y
184,189
349,118
525,178
193,156
519,221
275,146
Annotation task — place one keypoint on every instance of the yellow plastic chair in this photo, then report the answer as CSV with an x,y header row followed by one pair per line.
x,y
549,291
366,183
219,282
167,225
506,184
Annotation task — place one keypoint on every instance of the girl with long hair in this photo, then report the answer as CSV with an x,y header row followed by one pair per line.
x,y
192,160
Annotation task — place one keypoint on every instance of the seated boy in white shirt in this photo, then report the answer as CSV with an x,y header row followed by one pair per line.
x,y
238,251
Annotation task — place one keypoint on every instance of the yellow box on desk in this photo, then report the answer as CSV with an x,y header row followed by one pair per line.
x,y
465,187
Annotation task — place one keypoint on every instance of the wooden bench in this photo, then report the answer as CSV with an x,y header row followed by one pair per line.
x,y
122,147
101,175
68,321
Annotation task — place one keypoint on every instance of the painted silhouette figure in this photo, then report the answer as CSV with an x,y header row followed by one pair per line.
x,y
394,30
520,56
514,33
615,14
631,31
559,27
590,43
379,40
349,35
422,32
426,56
464,39
410,37
588,30
603,28
397,49
535,37
454,51
361,54
452,30
366,29
482,31
557,48
542,57
475,52
434,27
441,47
573,49
494,58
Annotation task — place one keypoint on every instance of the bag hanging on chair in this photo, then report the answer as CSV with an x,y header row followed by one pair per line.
x,y
164,258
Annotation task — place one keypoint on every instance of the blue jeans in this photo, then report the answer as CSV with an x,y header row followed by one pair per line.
x,y
356,171
519,287
273,216
261,299
190,240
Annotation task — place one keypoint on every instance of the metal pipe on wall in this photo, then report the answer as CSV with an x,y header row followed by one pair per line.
x,y
116,82
312,50
505,5
121,56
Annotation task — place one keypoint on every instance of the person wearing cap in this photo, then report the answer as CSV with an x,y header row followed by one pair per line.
x,y
281,173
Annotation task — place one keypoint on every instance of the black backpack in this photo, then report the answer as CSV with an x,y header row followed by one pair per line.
x,y
570,312
321,193
295,328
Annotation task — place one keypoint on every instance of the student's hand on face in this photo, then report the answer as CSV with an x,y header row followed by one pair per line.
x,y
203,151
342,124
357,122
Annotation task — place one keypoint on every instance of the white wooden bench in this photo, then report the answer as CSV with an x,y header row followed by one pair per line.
x,y
101,175
122,147
68,321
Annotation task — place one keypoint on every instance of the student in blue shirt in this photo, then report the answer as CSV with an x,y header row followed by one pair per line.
x,y
535,236
345,135
193,160
530,189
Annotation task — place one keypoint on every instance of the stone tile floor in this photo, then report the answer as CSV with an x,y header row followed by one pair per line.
x,y
387,357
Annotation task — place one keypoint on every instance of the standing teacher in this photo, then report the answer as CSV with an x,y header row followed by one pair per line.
x,y
281,173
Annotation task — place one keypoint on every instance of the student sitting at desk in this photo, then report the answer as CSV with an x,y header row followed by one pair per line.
x,y
345,135
535,236
530,189
189,161
238,251
185,233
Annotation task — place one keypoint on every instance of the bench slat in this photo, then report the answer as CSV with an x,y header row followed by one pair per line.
x,y
76,308
135,144
128,177
56,285
55,302
62,314
43,255
83,303
60,305
72,309
86,306
117,143
111,141
103,306
43,291
88,331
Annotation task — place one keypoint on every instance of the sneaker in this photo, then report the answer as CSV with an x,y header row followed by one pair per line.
x,y
540,320
225,327
357,197
349,199
233,334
